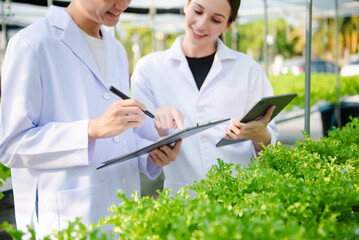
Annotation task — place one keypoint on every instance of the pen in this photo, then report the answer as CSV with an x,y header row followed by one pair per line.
x,y
124,96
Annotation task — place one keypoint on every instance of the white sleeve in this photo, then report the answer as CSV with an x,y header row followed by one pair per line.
x,y
24,141
141,90
262,87
147,134
146,167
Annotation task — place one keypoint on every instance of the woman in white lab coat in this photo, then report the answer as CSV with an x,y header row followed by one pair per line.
x,y
206,80
59,121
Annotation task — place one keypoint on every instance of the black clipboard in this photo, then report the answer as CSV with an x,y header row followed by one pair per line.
x,y
259,109
186,132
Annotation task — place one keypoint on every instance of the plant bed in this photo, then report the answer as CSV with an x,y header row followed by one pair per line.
x,y
309,191
329,120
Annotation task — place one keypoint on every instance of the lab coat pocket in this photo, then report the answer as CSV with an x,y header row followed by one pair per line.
x,y
88,203
229,102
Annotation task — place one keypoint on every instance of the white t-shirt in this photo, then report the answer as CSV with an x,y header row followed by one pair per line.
x,y
98,49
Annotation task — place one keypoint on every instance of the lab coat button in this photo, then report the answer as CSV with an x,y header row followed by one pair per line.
x,y
123,180
116,139
204,140
200,110
107,96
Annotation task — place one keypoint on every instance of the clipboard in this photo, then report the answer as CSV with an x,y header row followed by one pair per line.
x,y
259,109
172,138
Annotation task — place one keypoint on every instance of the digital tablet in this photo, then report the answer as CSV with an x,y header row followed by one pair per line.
x,y
259,109
172,138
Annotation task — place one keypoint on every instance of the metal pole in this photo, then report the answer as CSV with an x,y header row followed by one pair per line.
x,y
234,38
308,50
152,13
49,3
337,107
265,50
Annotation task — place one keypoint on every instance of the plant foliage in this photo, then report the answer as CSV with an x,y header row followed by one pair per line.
x,y
309,191
4,174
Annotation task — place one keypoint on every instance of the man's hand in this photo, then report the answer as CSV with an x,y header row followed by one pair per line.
x,y
165,155
119,117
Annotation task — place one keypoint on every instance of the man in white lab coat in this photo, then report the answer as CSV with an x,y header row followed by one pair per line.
x,y
59,121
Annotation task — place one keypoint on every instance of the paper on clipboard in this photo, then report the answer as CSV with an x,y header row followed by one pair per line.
x,y
259,110
186,132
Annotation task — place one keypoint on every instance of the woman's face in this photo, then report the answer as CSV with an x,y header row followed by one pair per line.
x,y
205,20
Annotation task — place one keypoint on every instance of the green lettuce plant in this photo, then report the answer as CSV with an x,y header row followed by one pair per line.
x,y
308,191
4,174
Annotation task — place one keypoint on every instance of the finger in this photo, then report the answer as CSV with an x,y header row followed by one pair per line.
x,y
164,152
229,134
268,114
235,130
132,106
160,156
234,122
133,118
133,124
171,152
161,122
154,159
235,126
121,110
178,118
135,103
177,146
169,121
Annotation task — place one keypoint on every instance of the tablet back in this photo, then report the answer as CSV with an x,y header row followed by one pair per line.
x,y
259,110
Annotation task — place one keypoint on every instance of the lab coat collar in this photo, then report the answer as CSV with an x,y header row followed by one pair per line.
x,y
223,52
73,38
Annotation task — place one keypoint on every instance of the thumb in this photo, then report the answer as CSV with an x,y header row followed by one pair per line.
x,y
268,114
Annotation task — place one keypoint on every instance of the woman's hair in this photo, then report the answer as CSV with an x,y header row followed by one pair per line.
x,y
234,4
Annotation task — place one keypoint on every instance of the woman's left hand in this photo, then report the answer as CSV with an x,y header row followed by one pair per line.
x,y
254,130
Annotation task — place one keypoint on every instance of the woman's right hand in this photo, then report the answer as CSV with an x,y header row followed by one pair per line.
x,y
119,117
168,117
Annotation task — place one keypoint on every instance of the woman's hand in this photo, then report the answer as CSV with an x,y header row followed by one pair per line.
x,y
119,117
165,155
168,117
254,130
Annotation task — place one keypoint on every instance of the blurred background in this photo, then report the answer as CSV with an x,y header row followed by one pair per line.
x,y
273,32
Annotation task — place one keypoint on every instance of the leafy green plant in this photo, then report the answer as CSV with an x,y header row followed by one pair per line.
x,y
308,191
4,174
304,192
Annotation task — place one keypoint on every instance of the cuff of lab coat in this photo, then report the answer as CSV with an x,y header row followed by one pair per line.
x,y
273,136
148,168
272,141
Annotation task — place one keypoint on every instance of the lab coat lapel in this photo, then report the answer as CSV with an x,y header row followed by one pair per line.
x,y
186,71
176,53
223,54
213,72
74,39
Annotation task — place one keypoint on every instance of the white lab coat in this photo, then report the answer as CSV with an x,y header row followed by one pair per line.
x,y
234,83
51,88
